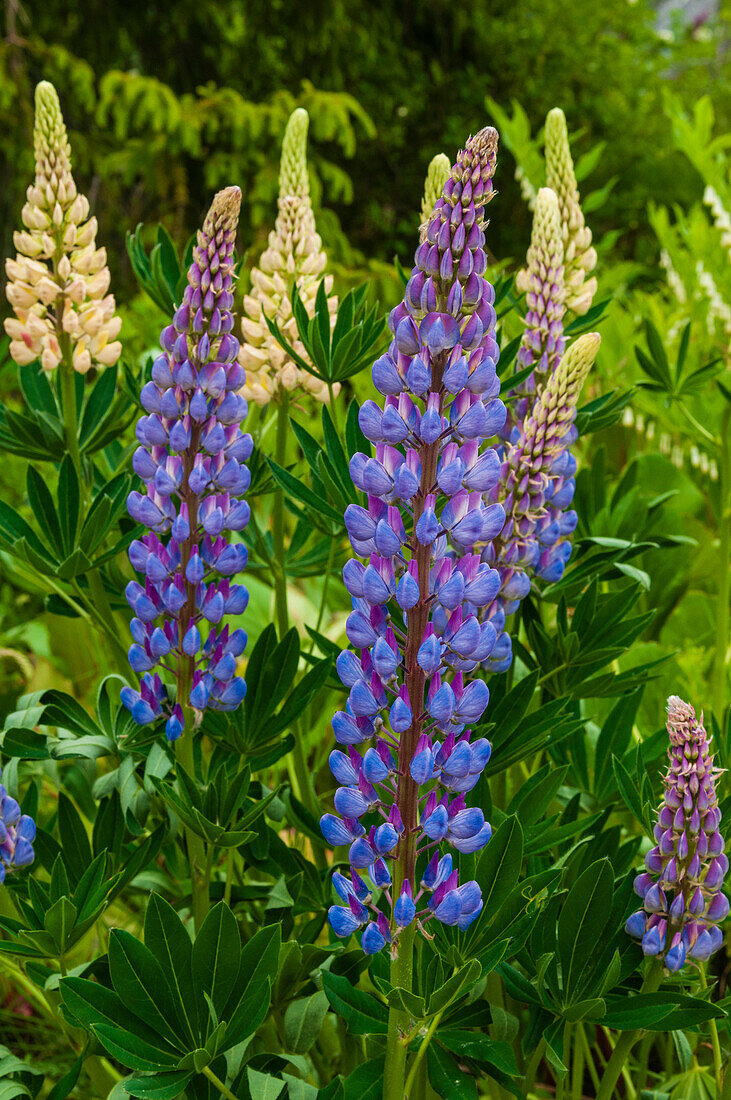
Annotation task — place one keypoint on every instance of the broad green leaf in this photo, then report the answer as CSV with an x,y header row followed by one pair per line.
x,y
365,1082
166,937
140,982
263,1086
132,1051
446,1077
303,1020
363,1013
217,946
158,1086
582,921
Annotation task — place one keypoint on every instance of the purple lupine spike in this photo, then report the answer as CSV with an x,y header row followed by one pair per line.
x,y
529,541
17,833
425,510
191,459
682,900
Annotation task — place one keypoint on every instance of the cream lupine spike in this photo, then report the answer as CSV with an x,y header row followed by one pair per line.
x,y
579,255
294,254
58,282
437,174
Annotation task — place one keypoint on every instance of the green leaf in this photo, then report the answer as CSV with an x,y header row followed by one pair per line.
x,y
44,509
68,1082
263,1086
68,502
447,1078
354,439
158,1086
615,738
366,1082
303,1020
301,492
132,1051
468,1044
464,979
362,1012
658,1011
583,918
139,980
166,937
76,846
499,864
216,946
92,1003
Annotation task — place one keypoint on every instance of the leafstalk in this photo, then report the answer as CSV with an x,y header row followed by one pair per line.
x,y
715,1043
627,1040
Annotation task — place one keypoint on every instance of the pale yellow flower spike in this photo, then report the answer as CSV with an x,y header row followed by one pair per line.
x,y
294,254
579,255
437,174
58,281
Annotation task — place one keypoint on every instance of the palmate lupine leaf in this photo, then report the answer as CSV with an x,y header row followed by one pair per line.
x,y
357,338
176,1007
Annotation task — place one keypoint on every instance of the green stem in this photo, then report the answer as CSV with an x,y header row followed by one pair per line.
x,y
399,1022
715,1043
280,572
644,1058
67,377
588,1058
223,1089
577,1069
195,844
561,1081
724,571
413,1072
532,1068
627,1040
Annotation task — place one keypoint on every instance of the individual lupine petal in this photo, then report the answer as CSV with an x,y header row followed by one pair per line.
x,y
422,764
635,925
474,843
404,909
380,874
343,921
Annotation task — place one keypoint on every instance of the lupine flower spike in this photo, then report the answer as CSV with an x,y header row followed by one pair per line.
x,y
536,488
407,692
683,903
542,343
17,833
579,254
437,175
294,255
191,457
58,281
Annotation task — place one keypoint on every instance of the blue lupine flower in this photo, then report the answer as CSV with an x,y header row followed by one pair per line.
x,y
425,510
17,833
191,458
